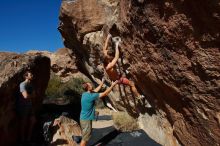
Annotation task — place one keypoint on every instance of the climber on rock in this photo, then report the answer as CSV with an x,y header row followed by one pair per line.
x,y
110,66
87,113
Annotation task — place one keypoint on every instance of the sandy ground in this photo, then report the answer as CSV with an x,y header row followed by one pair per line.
x,y
104,133
104,119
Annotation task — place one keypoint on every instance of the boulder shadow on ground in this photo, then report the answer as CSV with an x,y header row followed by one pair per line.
x,y
111,137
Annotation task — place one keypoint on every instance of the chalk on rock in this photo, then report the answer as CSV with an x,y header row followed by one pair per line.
x,y
116,39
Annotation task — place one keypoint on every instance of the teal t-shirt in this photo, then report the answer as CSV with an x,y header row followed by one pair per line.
x,y
88,106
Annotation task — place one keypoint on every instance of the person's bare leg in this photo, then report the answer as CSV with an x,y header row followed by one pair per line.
x,y
31,126
134,89
136,93
83,143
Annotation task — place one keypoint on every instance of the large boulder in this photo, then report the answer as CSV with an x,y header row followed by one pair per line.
x,y
63,62
63,131
12,68
170,49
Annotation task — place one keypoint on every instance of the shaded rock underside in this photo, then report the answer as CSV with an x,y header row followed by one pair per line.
x,y
12,67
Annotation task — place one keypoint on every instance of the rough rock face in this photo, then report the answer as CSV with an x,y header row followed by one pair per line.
x,y
63,62
12,68
64,128
171,51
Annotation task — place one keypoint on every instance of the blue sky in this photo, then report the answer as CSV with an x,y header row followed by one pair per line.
x,y
29,24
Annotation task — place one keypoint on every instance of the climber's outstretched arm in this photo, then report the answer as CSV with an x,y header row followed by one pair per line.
x,y
100,85
108,90
98,88
114,61
105,51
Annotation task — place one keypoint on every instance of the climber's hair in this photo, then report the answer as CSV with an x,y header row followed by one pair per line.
x,y
26,73
85,86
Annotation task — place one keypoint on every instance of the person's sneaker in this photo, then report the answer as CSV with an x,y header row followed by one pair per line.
x,y
148,105
140,97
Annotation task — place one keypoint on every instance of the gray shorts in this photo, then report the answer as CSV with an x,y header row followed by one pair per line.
x,y
86,126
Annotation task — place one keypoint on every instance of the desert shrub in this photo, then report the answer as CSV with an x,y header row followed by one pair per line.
x,y
124,122
71,90
53,86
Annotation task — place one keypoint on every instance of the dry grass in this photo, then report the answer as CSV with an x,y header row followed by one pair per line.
x,y
124,122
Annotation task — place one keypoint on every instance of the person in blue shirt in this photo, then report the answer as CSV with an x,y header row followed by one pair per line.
x,y
88,108
25,108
